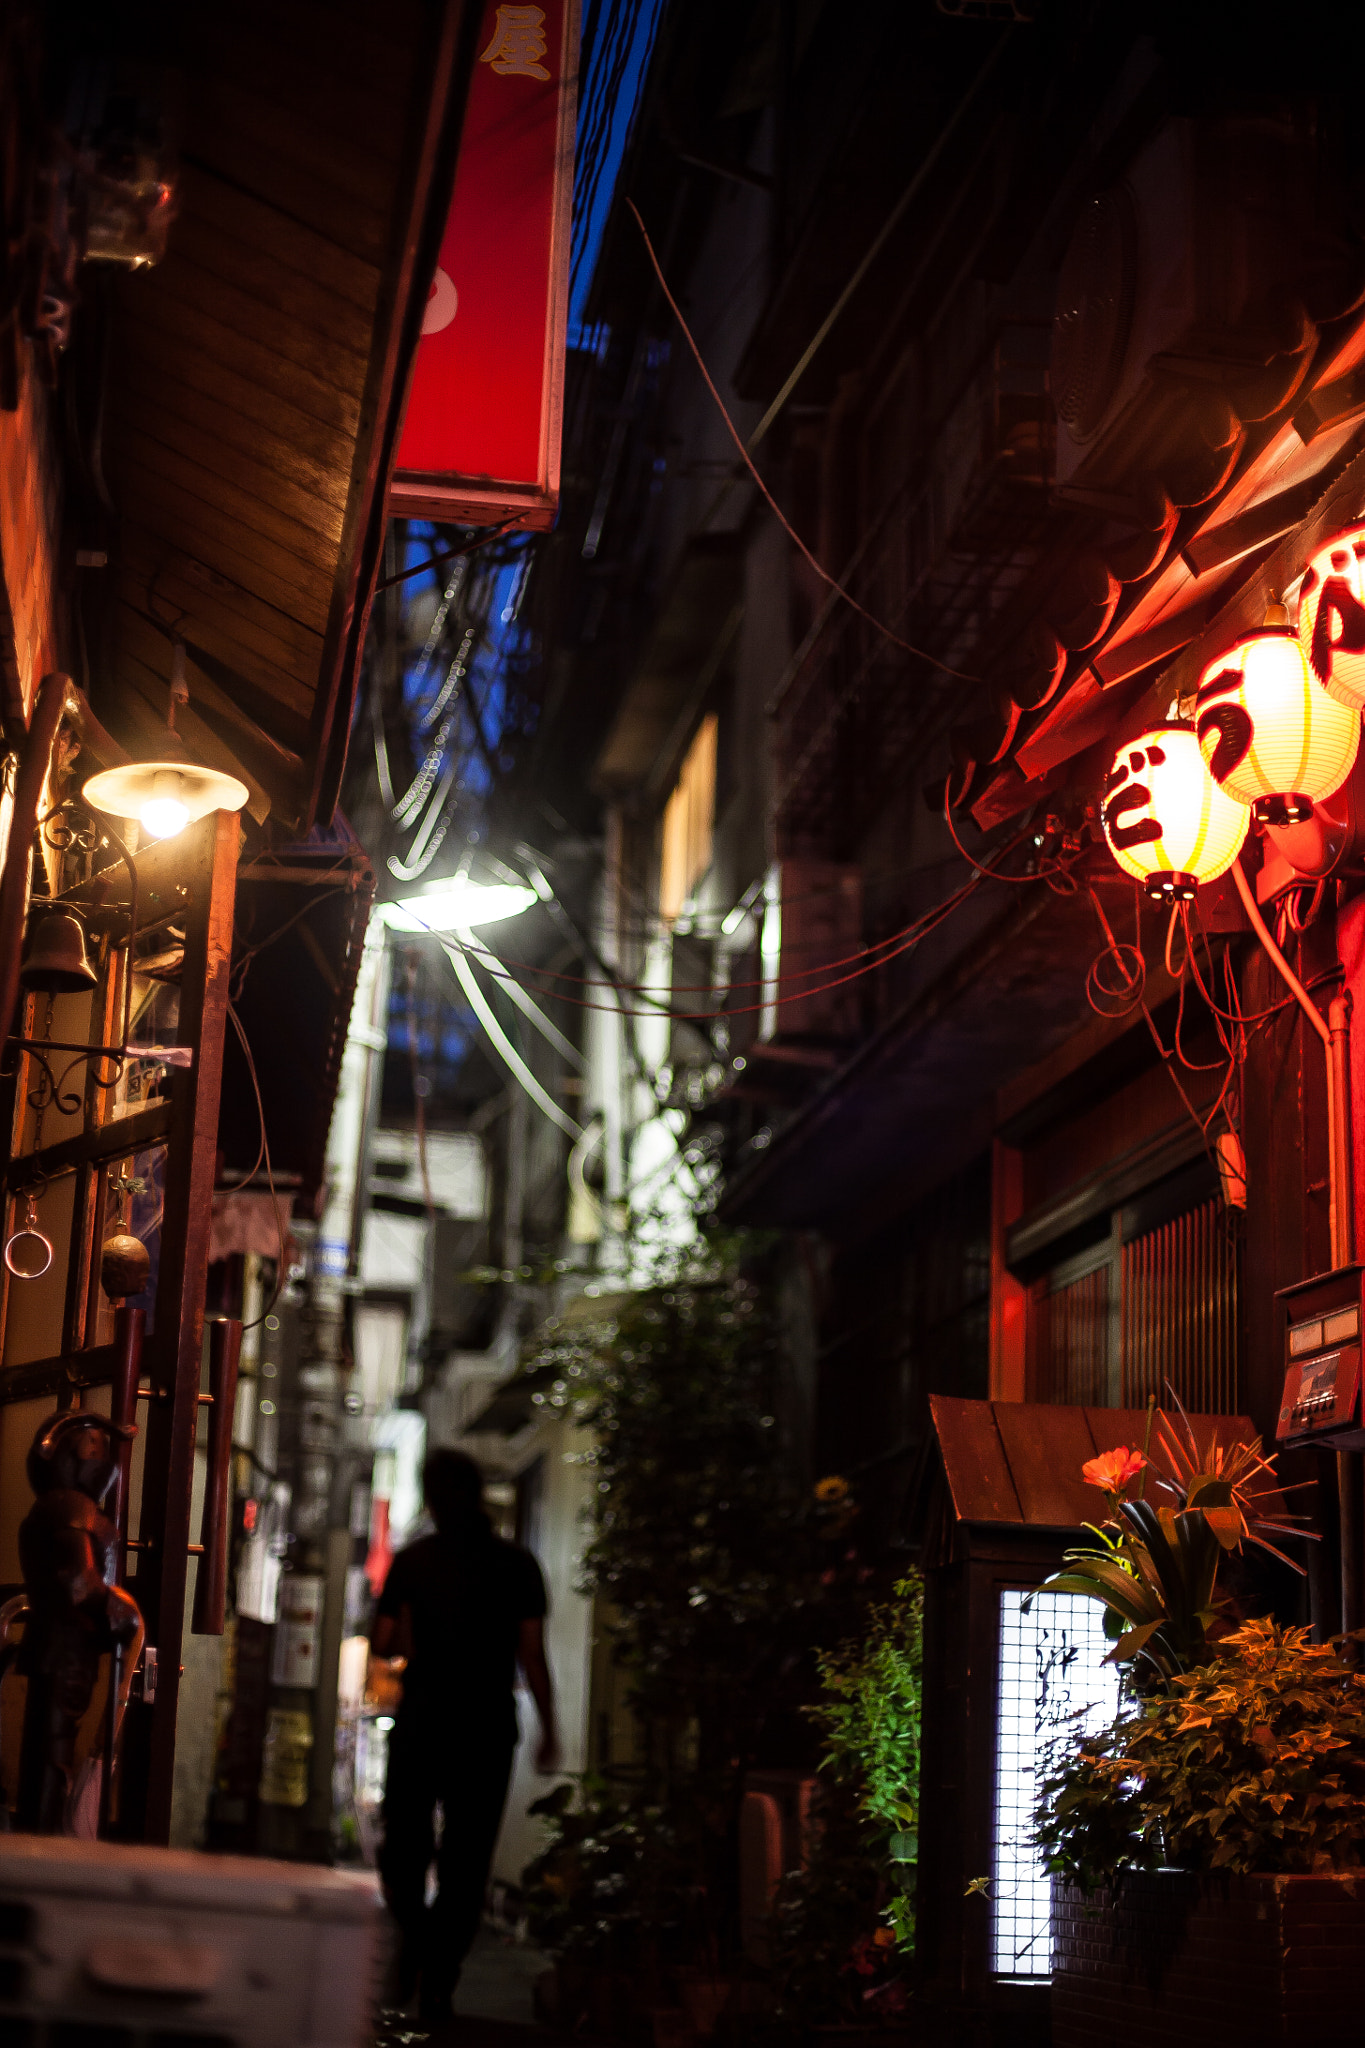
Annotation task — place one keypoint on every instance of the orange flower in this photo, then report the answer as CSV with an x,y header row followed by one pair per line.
x,y
1112,1470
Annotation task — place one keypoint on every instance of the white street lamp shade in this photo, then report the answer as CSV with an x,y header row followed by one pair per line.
x,y
1268,730
1332,616
458,905
1166,821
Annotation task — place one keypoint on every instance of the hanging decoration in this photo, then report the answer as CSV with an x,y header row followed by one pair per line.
x,y
1332,616
1271,735
1166,821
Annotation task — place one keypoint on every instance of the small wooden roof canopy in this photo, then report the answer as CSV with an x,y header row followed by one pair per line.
x,y
1019,1462
256,377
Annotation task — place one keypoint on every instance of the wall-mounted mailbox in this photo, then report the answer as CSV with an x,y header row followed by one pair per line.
x,y
1321,1325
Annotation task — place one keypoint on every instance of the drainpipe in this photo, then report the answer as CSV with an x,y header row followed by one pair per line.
x,y
1335,1033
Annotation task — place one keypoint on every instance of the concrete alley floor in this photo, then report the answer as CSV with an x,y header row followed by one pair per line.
x,y
494,2005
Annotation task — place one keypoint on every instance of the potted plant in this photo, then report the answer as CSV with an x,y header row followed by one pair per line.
x,y
1207,1849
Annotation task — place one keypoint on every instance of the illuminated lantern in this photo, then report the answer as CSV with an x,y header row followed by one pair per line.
x,y
1270,733
1332,616
1166,820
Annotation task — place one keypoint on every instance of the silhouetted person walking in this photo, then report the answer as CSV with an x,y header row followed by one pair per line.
x,y
464,1608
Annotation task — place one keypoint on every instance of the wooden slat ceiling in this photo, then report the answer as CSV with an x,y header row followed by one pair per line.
x,y
256,373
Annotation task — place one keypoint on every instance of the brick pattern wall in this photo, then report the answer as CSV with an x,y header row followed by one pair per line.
x,y
1208,1962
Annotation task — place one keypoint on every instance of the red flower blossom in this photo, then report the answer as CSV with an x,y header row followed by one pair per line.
x,y
1112,1470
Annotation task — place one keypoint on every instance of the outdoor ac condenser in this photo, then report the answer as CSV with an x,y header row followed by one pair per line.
x,y
107,1946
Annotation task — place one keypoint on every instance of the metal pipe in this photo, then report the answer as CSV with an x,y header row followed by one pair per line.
x,y
210,1584
1335,1034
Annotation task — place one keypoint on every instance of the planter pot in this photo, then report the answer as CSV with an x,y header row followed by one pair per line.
x,y
1208,1962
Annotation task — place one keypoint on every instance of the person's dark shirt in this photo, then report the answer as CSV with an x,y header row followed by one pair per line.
x,y
466,1595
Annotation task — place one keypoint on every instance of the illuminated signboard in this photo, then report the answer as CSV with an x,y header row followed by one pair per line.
x,y
480,440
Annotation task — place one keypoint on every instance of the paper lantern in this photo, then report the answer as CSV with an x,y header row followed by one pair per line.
x,y
1166,820
1269,732
1332,616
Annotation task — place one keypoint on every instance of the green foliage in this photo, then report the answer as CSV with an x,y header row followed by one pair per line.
x,y
870,1719
1157,1579
717,1578
844,1923
705,1553
618,1882
1253,1761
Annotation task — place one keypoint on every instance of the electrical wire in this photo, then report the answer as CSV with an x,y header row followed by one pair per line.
x,y
480,540
282,1269
875,955
913,937
419,1086
894,638
511,1058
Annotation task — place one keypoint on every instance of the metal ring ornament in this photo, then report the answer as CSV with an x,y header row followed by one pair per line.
x,y
18,1237
29,1228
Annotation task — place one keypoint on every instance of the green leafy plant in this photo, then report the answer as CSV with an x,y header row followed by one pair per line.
x,y
869,1717
1253,1761
844,1923
1155,1566
717,1578
618,1881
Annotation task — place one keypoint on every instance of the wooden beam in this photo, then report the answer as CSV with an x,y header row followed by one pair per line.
x,y
208,854
117,1139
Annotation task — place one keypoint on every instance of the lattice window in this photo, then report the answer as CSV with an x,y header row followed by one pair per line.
x,y
1179,1296
1077,1342
1159,1311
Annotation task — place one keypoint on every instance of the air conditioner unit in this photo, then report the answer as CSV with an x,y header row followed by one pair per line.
x,y
104,1945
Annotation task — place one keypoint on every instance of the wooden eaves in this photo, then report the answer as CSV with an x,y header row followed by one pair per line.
x,y
256,380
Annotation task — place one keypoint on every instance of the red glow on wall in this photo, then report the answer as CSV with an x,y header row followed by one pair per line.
x,y
480,440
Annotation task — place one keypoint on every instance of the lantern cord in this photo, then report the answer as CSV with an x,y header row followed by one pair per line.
x,y
1117,974
1128,990
972,861
1291,980
1234,1013
773,506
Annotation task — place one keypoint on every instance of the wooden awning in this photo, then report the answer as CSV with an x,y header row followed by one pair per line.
x,y
255,379
1019,1462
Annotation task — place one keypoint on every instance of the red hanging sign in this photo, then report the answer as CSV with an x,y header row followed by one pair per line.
x,y
481,436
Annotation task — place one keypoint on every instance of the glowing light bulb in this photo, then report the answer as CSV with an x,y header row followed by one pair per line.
x,y
165,812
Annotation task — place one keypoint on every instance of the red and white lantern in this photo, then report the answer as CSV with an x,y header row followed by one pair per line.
x,y
1271,735
1332,616
1165,819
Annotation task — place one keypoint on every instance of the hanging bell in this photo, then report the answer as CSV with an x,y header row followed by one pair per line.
x,y
125,1265
55,959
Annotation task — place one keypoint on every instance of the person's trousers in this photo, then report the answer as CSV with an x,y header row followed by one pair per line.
x,y
465,1770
